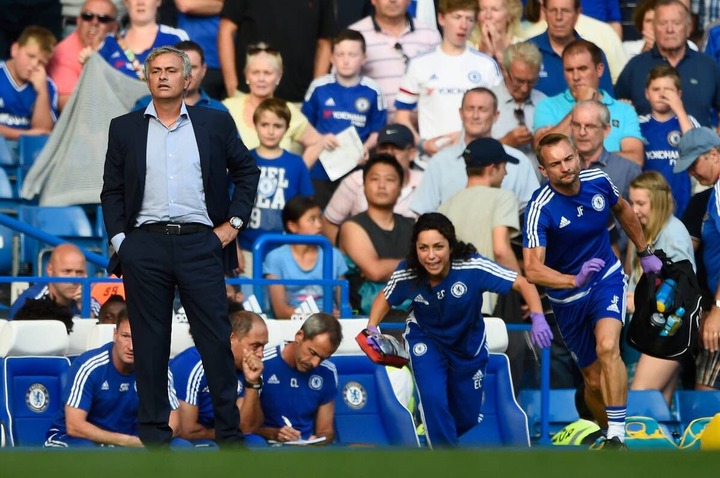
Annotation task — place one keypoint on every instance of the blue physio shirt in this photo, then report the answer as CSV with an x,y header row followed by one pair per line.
x,y
191,384
296,395
573,229
281,179
451,311
661,154
109,397
331,108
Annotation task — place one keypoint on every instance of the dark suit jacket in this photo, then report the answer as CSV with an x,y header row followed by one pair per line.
x,y
222,155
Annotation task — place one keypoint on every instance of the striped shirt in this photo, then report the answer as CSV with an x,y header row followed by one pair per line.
x,y
385,62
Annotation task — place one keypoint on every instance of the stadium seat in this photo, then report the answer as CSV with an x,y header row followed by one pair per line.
x,y
32,377
99,336
29,148
694,404
180,338
7,250
504,422
562,409
6,156
77,340
68,222
367,412
496,334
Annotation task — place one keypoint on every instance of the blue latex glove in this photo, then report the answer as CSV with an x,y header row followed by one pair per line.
x,y
541,334
588,271
651,264
372,329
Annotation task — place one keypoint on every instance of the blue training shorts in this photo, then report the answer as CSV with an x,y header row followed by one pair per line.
x,y
576,320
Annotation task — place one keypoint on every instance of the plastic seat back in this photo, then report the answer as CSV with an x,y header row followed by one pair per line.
x,y
504,422
367,412
32,378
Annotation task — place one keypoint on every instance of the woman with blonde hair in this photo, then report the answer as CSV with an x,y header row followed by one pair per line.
x,y
497,27
653,204
263,71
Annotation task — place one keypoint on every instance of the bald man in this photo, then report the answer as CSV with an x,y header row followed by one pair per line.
x,y
66,260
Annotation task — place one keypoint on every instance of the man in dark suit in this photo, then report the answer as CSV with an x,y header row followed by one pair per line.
x,y
172,222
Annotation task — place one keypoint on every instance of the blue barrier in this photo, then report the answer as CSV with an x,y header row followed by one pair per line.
x,y
266,241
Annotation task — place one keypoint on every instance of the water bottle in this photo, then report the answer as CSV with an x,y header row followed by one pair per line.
x,y
673,323
657,320
665,295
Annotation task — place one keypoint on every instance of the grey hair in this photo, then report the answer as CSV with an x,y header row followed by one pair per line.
x,y
187,66
604,111
321,323
524,51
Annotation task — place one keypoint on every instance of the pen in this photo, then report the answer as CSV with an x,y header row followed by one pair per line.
x,y
287,422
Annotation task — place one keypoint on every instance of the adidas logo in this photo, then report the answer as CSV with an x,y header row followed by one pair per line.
x,y
433,77
330,102
273,379
105,386
478,375
564,222
421,299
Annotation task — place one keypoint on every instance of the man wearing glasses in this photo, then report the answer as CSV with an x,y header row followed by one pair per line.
x,y
517,98
583,67
97,18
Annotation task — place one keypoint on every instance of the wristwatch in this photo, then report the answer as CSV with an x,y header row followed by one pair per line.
x,y
254,386
236,222
648,251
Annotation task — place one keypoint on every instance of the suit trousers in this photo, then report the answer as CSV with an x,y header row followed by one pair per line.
x,y
153,264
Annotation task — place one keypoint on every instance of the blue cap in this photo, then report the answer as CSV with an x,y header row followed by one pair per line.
x,y
694,143
484,152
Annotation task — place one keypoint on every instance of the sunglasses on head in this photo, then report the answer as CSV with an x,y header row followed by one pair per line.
x,y
255,49
89,16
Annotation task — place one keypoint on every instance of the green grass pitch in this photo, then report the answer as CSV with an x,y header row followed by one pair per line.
x,y
365,463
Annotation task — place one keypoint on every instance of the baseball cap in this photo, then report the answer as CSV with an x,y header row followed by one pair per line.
x,y
694,143
396,134
484,152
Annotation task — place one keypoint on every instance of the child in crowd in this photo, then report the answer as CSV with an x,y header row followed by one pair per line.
x,y
663,128
283,175
342,99
301,215
652,202
28,97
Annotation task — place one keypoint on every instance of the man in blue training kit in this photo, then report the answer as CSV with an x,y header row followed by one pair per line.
x,y
298,398
567,249
197,422
101,399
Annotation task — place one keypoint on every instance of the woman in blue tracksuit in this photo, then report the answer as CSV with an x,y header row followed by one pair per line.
x,y
445,333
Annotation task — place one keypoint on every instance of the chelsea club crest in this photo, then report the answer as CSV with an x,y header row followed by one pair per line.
x,y
598,202
37,398
354,395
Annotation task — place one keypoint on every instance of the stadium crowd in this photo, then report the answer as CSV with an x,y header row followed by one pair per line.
x,y
363,116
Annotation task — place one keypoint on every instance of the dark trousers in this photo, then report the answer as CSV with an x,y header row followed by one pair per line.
x,y
153,264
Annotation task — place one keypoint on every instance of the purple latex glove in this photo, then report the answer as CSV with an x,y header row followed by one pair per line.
x,y
651,264
372,329
588,271
541,334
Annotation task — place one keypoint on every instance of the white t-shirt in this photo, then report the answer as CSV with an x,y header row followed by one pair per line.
x,y
435,82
